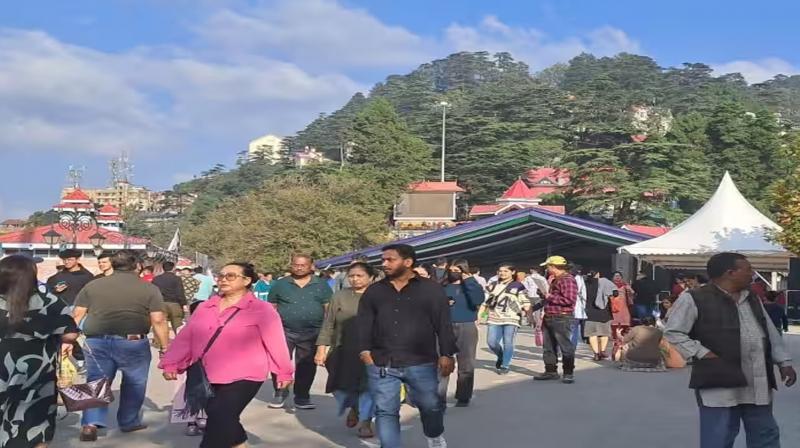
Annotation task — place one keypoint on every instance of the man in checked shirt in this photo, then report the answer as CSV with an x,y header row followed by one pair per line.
x,y
559,308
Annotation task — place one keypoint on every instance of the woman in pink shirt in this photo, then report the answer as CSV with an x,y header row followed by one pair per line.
x,y
250,347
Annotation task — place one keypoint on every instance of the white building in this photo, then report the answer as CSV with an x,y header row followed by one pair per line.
x,y
268,146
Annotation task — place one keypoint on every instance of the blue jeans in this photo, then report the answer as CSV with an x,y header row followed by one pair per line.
x,y
423,382
720,426
500,339
362,402
641,310
132,358
576,332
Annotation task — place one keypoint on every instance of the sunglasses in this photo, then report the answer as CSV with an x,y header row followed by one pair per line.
x,y
230,276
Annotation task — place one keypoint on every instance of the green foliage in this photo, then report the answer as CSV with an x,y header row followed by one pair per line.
x,y
638,182
41,218
328,133
746,144
786,196
381,141
326,216
501,121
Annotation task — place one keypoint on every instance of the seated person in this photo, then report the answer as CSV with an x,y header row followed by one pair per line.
x,y
641,348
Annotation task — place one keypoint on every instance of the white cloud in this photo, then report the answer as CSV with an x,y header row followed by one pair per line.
x,y
319,33
759,70
533,46
57,97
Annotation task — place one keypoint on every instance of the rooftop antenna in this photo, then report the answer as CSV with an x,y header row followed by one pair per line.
x,y
121,169
75,175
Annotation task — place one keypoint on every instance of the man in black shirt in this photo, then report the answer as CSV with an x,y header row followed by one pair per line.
x,y
401,320
171,287
68,283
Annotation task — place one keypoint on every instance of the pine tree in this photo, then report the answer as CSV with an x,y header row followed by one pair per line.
x,y
383,142
636,183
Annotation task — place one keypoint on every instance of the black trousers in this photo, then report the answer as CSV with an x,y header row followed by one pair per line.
x,y
223,428
302,348
557,332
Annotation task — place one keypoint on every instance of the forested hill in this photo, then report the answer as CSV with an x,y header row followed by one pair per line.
x,y
503,119
643,144
661,136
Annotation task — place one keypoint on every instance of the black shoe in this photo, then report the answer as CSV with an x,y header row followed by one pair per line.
x,y
278,402
462,404
568,378
502,370
304,403
547,376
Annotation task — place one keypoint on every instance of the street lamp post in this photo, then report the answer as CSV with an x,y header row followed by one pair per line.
x,y
97,241
76,221
444,105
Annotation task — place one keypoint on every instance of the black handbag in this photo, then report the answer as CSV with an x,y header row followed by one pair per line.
x,y
92,394
198,389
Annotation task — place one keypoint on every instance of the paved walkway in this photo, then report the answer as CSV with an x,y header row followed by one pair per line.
x,y
605,408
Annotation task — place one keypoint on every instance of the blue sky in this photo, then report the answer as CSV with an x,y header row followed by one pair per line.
x,y
184,84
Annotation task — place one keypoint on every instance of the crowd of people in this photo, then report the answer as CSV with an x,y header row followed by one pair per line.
x,y
385,336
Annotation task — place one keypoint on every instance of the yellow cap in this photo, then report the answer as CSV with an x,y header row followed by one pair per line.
x,y
555,260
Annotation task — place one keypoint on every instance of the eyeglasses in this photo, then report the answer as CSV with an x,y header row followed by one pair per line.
x,y
230,276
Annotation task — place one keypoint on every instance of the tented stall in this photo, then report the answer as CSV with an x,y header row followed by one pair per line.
x,y
727,222
524,237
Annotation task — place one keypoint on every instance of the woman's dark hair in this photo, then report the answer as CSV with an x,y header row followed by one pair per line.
x,y
248,270
662,309
649,321
17,285
617,272
508,266
461,264
363,266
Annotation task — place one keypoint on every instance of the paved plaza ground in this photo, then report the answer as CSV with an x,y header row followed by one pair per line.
x,y
605,408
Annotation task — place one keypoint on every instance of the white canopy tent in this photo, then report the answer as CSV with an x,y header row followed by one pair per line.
x,y
726,223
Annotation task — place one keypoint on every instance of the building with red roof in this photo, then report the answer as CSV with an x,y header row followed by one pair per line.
x,y
527,192
653,231
426,206
109,217
95,225
12,224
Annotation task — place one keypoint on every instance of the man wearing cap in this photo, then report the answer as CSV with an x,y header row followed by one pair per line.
x,y
69,281
559,309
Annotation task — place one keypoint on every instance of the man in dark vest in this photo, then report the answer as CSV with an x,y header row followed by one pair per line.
x,y
735,347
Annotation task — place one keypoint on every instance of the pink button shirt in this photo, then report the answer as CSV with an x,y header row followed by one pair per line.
x,y
250,347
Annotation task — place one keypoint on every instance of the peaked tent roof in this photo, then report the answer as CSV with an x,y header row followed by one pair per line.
x,y
727,222
532,233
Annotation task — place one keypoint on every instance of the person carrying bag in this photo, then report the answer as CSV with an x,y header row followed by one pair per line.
x,y
198,389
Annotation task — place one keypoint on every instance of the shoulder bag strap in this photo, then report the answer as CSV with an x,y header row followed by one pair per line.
x,y
216,333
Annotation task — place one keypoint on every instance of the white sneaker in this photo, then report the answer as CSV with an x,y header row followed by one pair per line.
x,y
437,442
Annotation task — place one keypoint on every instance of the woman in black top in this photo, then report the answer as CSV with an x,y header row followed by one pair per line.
x,y
598,313
32,329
